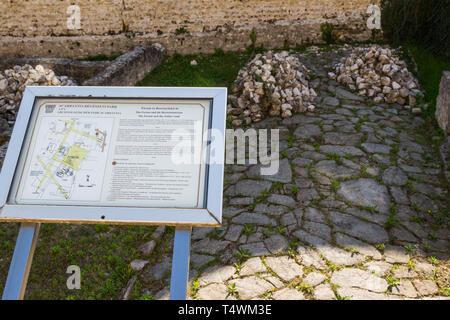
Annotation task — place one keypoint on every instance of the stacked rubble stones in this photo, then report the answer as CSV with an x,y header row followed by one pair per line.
x,y
271,84
378,73
13,82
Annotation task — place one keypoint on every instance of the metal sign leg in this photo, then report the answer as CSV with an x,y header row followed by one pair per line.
x,y
180,263
19,269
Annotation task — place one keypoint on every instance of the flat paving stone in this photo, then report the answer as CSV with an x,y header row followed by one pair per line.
x,y
394,176
380,268
198,260
251,287
360,294
338,138
307,194
304,183
332,253
426,287
252,188
341,150
276,243
356,227
396,254
233,233
309,257
256,249
318,229
288,294
216,274
313,214
332,170
270,209
403,235
324,292
403,272
313,155
347,95
285,267
365,192
350,277
284,174
210,246
361,247
307,131
253,218
252,266
399,195
405,288
282,200
214,291
314,278
376,148
331,101
423,202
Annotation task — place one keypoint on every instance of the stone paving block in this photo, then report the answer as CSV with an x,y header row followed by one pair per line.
x,y
210,246
426,287
251,287
288,294
361,247
394,176
309,257
314,278
252,188
324,292
342,150
216,274
380,268
253,218
282,200
252,266
396,254
276,244
233,232
214,291
356,227
197,260
360,294
313,214
356,278
255,249
365,192
319,229
286,268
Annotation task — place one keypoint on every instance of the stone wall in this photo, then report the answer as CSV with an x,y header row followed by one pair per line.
x,y
443,103
39,28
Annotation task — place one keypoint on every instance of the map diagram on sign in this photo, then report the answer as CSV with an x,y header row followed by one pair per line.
x,y
68,160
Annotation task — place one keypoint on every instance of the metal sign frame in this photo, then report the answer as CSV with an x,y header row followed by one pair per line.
x,y
184,219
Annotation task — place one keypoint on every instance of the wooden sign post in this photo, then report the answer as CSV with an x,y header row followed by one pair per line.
x,y
114,155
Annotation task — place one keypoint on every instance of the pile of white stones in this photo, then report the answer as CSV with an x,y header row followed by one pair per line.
x,y
378,73
13,82
271,84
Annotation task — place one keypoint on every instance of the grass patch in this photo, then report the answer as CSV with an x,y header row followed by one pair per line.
x,y
102,253
217,70
430,68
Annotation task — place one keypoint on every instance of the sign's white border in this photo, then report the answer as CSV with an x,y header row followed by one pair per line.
x,y
209,216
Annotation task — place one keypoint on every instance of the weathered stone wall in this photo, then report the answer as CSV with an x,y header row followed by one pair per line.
x,y
39,27
443,103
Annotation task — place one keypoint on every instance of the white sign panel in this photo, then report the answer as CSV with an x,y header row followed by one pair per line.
x,y
129,151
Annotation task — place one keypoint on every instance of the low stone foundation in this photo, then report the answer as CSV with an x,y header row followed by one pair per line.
x,y
76,69
130,67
